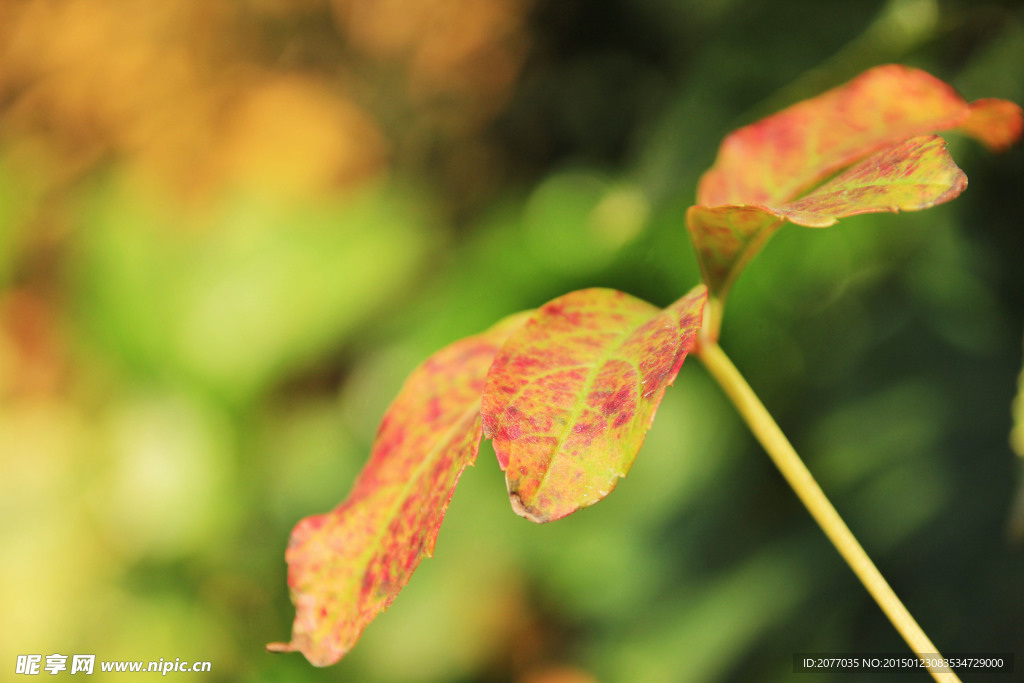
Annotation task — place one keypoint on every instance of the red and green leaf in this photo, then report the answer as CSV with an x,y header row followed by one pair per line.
x,y
572,393
347,565
915,174
762,169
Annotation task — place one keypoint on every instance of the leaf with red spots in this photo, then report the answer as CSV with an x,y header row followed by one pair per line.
x,y
347,565
764,171
915,174
572,393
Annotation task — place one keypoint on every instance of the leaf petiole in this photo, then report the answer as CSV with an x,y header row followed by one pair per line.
x,y
807,489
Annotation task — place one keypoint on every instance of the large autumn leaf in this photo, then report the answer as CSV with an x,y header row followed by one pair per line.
x,y
877,122
572,393
347,565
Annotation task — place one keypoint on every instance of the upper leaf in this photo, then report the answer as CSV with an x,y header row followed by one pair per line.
x,y
762,168
915,174
572,393
779,157
345,566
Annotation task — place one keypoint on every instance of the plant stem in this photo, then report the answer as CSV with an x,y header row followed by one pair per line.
x,y
712,324
807,489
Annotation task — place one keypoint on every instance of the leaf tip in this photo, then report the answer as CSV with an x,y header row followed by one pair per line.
x,y
996,123
528,511
314,657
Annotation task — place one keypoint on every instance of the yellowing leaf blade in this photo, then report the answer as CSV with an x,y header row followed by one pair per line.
x,y
347,565
726,238
573,392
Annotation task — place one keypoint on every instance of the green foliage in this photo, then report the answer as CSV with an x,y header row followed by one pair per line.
x,y
235,299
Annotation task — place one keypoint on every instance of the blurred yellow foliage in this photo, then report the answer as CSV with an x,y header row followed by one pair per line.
x,y
291,133
183,91
168,88
472,47
90,78
32,356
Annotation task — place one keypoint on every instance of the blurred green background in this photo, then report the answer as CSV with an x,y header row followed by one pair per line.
x,y
229,230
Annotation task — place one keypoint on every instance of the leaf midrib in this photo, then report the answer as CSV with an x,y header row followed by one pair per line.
x,y
588,384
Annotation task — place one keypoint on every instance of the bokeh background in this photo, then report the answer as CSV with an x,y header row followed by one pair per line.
x,y
229,230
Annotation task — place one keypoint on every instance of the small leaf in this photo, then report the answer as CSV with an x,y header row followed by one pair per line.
x,y
762,168
345,566
572,393
726,238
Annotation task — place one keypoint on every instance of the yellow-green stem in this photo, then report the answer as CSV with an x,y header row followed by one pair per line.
x,y
807,489
713,310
